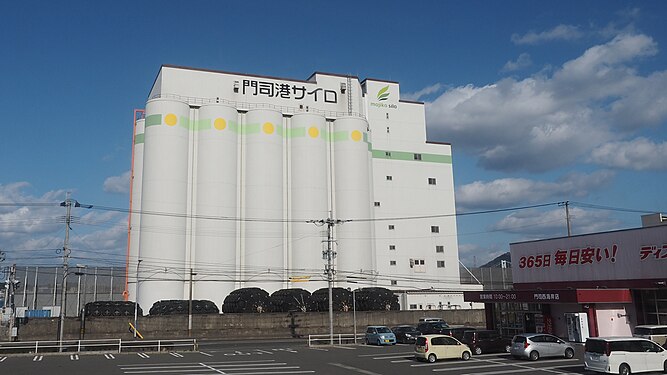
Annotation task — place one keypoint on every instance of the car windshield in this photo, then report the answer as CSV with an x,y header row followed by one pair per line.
x,y
441,325
384,330
421,340
642,331
519,339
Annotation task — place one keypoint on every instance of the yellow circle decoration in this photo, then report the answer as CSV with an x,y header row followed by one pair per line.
x,y
220,123
268,128
170,119
356,135
313,132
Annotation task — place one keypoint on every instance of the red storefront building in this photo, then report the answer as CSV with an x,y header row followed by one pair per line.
x,y
600,284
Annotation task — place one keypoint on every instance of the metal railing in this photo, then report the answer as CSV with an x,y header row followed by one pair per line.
x,y
115,345
191,100
338,339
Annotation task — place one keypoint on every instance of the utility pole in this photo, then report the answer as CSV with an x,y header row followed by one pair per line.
x,y
12,283
190,305
66,252
566,204
329,270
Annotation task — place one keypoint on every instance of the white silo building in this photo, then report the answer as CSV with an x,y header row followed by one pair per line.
x,y
231,173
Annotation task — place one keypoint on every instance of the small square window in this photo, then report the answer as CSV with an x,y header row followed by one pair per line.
x,y
441,264
392,262
392,247
394,282
391,227
431,181
413,307
387,115
376,204
439,249
387,129
390,178
387,153
418,156
435,229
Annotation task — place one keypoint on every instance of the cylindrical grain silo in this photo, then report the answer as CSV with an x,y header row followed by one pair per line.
x,y
135,207
263,251
352,196
163,201
216,203
308,199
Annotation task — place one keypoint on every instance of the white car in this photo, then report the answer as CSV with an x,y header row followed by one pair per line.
x,y
624,355
434,347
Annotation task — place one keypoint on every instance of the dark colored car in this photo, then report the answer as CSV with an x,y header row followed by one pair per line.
x,y
457,332
432,328
486,341
406,334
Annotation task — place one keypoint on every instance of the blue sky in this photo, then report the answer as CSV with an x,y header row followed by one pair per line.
x,y
542,102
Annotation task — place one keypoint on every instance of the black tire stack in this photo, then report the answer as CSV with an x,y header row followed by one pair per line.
x,y
182,307
247,300
286,300
111,308
376,299
342,299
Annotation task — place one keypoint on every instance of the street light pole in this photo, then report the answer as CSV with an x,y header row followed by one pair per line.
x,y
66,251
190,305
136,300
354,314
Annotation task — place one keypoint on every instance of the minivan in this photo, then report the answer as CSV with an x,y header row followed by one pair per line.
x,y
624,355
656,333
486,341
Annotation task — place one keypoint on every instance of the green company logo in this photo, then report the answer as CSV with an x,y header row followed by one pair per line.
x,y
383,94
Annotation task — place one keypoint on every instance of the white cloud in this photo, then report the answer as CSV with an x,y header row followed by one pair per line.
x,y
507,192
435,88
544,122
118,184
560,32
523,61
637,154
537,224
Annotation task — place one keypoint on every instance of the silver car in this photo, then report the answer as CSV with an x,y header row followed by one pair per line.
x,y
536,345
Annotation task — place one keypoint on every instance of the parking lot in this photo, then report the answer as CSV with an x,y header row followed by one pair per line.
x,y
259,358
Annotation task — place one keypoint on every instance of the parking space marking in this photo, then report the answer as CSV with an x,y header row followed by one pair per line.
x,y
143,355
249,367
177,355
321,349
38,358
375,355
391,357
522,369
2,359
402,361
74,357
109,356
355,369
206,354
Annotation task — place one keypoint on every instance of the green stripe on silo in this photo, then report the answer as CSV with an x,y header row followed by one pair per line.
x,y
138,138
410,156
153,120
296,133
202,125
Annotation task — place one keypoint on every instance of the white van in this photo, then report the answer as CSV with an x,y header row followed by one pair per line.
x,y
430,320
652,332
624,355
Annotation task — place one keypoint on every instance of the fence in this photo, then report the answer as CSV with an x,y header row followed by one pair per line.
x,y
338,339
116,345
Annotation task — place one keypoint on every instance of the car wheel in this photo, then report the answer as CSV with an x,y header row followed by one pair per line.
x,y
465,356
624,369
665,368
569,353
507,348
478,350
379,342
432,358
368,342
534,355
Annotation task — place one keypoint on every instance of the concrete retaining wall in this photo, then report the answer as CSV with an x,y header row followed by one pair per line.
x,y
237,325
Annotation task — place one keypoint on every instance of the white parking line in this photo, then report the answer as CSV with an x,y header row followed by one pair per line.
x,y
401,361
206,354
375,355
38,358
523,369
2,359
109,356
143,355
321,349
177,355
344,347
359,370
391,357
